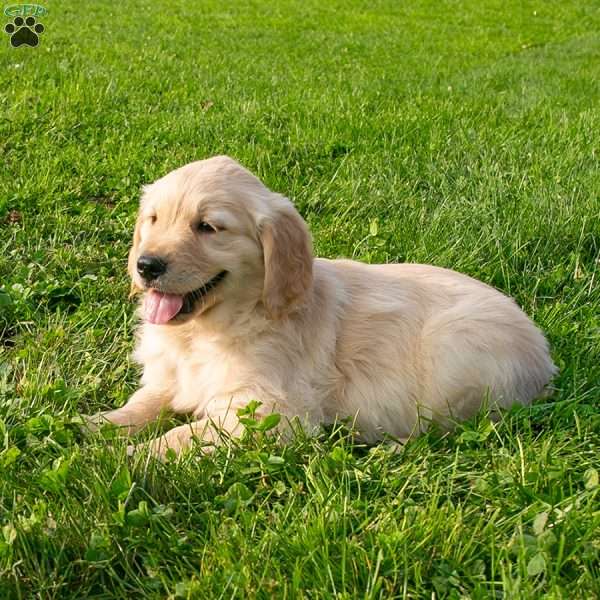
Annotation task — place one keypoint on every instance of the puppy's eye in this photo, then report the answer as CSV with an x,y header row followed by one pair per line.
x,y
152,219
204,227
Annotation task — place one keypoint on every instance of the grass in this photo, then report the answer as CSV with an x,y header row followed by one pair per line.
x,y
459,134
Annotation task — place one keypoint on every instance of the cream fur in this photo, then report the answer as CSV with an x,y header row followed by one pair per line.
x,y
391,346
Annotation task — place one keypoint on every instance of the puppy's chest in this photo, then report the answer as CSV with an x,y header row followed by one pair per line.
x,y
202,374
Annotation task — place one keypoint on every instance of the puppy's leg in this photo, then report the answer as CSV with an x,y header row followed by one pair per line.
x,y
209,431
143,407
222,423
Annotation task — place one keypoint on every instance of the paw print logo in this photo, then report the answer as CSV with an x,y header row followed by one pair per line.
x,y
24,31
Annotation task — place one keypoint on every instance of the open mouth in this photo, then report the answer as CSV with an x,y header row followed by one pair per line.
x,y
161,307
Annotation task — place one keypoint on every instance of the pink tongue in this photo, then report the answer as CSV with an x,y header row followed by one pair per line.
x,y
160,308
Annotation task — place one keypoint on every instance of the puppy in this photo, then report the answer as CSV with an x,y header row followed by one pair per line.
x,y
235,308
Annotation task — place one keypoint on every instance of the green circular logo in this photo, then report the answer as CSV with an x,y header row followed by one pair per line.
x,y
25,10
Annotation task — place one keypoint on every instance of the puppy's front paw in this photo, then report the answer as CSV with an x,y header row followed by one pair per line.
x,y
171,445
93,423
157,448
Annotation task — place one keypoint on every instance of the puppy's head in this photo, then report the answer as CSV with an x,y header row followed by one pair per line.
x,y
210,233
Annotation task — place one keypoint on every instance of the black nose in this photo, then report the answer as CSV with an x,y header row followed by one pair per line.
x,y
151,267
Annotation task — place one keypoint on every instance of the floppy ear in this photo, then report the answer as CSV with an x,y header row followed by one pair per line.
x,y
132,258
287,249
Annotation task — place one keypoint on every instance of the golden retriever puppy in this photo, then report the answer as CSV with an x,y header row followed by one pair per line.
x,y
236,308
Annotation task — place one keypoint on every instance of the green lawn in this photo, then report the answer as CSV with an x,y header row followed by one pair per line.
x,y
462,134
